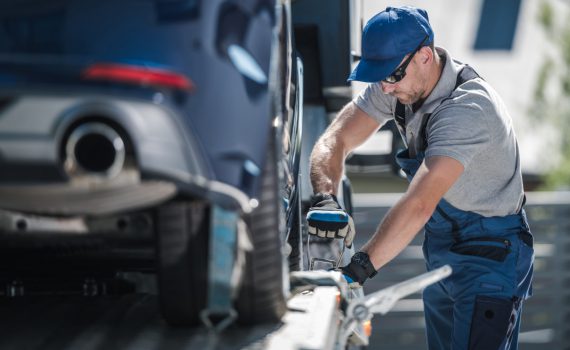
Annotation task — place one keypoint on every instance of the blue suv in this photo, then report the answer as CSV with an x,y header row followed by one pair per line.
x,y
134,132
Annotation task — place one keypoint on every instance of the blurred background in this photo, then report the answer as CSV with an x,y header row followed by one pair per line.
x,y
522,48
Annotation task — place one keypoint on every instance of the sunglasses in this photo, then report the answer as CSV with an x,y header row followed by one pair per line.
x,y
400,72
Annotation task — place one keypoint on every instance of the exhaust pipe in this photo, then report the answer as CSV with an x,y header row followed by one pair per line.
x,y
94,149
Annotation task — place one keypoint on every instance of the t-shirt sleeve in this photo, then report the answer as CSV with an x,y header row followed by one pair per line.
x,y
459,131
374,103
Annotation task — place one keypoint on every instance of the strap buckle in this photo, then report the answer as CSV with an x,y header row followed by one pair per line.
x,y
218,320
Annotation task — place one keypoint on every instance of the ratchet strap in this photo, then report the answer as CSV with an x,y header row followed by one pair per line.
x,y
222,260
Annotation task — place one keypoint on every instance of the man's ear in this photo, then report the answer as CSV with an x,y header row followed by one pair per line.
x,y
426,54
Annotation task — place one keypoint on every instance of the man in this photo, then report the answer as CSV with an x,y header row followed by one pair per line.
x,y
466,186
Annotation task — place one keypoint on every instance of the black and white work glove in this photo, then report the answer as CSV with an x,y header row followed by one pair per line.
x,y
326,218
358,270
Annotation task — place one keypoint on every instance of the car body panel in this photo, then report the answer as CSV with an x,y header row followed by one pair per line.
x,y
214,134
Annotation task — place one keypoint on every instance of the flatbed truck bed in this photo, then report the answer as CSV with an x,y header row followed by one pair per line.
x,y
323,314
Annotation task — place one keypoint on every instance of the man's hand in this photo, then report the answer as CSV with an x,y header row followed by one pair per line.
x,y
358,270
326,218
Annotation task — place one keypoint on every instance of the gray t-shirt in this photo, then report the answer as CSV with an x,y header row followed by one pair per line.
x,y
470,124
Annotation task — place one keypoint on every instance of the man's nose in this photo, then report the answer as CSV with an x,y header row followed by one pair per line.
x,y
387,87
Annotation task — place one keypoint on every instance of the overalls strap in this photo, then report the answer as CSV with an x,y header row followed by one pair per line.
x,y
465,74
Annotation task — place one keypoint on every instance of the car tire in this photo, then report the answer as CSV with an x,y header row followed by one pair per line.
x,y
182,256
295,235
261,298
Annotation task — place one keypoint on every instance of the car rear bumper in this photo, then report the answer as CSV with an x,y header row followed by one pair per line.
x,y
163,157
62,199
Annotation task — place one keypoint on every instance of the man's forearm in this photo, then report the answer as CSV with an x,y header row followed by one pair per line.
x,y
397,230
326,167
432,180
349,129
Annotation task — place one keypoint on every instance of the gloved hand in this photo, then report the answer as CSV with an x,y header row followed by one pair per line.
x,y
358,270
326,218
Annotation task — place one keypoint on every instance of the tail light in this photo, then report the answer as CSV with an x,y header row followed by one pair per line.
x,y
138,75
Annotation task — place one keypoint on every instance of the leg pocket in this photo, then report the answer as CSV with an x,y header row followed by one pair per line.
x,y
493,322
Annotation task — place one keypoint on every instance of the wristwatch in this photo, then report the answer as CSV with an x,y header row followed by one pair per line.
x,y
363,260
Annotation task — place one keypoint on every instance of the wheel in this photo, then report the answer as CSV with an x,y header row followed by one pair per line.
x,y
261,297
182,256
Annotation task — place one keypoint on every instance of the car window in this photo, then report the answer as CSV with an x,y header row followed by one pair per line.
x,y
176,10
70,26
31,26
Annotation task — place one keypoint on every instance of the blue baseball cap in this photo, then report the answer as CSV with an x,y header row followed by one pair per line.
x,y
387,38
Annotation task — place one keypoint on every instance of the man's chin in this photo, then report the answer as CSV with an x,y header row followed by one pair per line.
x,y
404,100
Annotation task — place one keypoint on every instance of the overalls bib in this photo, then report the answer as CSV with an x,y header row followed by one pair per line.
x,y
479,305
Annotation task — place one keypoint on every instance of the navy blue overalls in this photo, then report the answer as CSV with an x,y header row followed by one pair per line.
x,y
479,305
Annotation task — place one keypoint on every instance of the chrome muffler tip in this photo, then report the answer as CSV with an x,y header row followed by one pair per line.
x,y
94,149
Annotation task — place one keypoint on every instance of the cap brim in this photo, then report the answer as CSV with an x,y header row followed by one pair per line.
x,y
373,71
